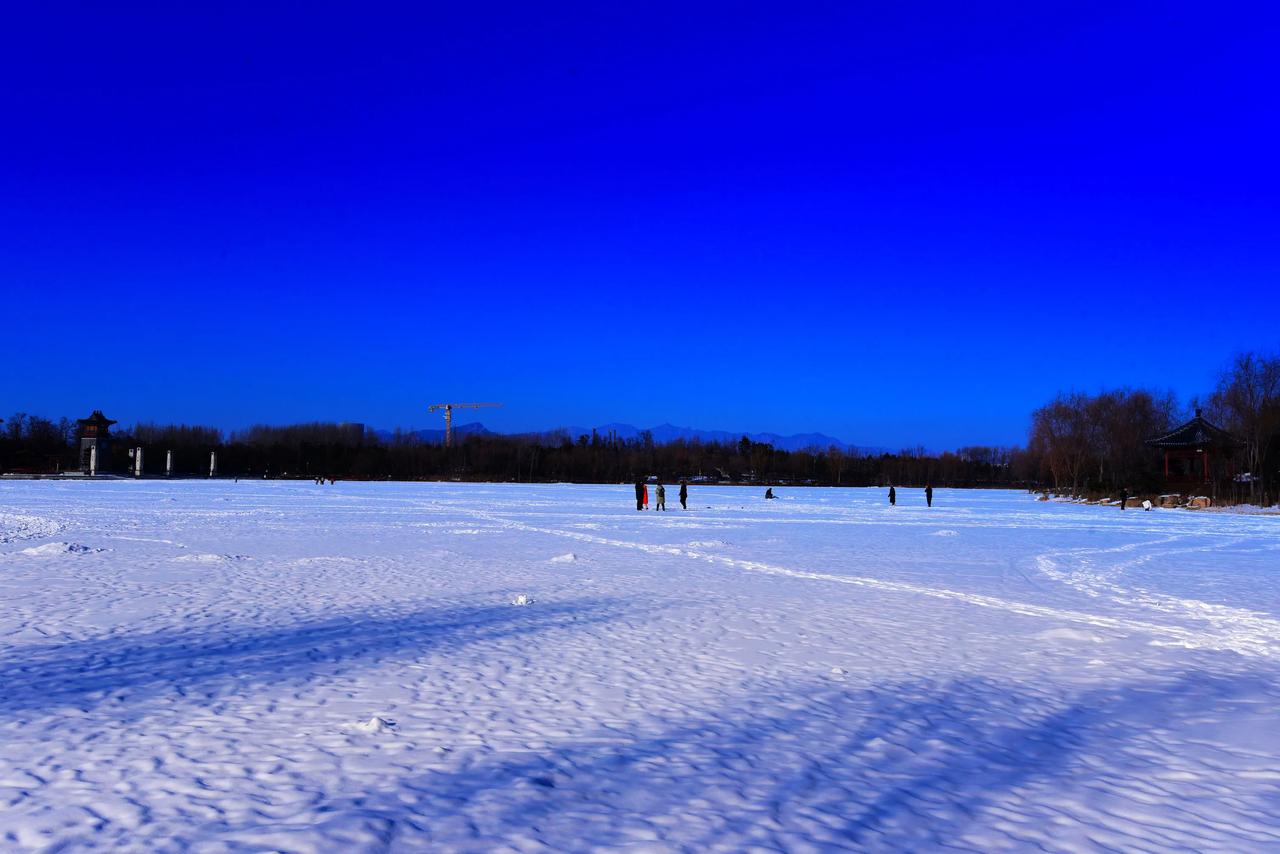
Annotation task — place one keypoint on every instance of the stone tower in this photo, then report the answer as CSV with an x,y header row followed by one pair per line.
x,y
95,441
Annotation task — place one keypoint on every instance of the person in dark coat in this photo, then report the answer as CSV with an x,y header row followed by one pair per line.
x,y
1124,498
893,496
928,495
768,493
684,495
662,498
639,495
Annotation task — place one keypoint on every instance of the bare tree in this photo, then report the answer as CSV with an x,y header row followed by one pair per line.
x,y
1247,399
1060,430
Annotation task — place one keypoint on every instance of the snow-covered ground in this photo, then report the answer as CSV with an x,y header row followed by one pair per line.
x,y
281,666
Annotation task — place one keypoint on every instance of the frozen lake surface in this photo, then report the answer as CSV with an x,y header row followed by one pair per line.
x,y
252,666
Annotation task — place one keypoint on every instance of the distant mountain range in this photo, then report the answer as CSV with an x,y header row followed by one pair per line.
x,y
473,429
662,434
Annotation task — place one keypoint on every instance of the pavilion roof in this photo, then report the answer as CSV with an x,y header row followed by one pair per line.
x,y
1196,433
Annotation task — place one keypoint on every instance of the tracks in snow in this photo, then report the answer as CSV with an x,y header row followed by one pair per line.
x,y
1248,628
1242,632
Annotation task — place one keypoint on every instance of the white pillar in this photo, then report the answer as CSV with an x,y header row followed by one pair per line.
x,y
93,460
213,463
137,462
168,463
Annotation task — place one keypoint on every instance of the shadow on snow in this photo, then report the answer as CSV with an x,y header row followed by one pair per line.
x,y
903,766
206,661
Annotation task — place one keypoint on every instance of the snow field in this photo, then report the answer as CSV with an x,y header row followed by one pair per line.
x,y
216,666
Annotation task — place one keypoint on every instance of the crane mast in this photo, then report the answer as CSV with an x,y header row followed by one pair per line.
x,y
448,415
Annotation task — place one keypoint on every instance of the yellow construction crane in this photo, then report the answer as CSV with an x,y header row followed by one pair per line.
x,y
448,415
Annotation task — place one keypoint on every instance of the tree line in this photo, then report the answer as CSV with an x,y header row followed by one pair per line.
x,y
1092,443
32,444
1078,443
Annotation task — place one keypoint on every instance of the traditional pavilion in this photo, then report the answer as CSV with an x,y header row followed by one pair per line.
x,y
1198,452
95,441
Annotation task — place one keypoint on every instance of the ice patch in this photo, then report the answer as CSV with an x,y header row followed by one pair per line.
x,y
52,549
945,533
1076,635
210,558
569,557
706,544
309,561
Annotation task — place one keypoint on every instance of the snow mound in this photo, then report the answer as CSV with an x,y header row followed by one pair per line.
x,y
52,549
376,725
21,526
522,599
945,533
568,557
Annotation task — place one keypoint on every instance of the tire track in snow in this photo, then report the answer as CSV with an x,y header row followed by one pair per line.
x,y
1258,642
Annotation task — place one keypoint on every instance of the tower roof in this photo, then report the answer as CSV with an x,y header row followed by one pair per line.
x,y
96,418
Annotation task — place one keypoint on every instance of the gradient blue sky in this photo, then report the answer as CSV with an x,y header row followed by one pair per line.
x,y
896,223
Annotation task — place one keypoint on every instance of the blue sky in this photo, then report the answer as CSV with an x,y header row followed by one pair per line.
x,y
898,224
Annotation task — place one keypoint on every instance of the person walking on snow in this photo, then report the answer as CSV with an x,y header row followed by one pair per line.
x,y
662,498
684,495
639,495
893,496
928,495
